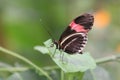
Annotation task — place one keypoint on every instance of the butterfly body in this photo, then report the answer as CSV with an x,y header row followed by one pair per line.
x,y
74,38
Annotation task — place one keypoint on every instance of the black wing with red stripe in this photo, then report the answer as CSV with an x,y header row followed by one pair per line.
x,y
74,38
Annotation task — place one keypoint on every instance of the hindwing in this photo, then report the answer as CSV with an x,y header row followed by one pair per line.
x,y
74,43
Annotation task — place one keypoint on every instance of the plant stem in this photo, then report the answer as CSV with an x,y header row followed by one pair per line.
x,y
62,75
25,60
51,68
107,59
14,69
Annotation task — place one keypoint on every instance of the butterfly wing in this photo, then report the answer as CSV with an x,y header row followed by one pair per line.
x,y
74,38
74,43
67,32
82,23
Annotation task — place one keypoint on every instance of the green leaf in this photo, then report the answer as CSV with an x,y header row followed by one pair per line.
x,y
42,49
70,63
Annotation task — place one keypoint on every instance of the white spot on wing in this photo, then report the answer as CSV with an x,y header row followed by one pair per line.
x,y
83,44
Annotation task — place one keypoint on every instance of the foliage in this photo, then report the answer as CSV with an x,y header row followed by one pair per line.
x,y
22,24
67,62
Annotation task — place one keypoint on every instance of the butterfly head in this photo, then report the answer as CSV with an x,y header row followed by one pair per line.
x,y
82,23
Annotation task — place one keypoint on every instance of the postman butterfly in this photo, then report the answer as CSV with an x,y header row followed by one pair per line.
x,y
74,38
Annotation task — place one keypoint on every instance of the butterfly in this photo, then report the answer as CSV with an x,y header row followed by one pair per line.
x,y
74,38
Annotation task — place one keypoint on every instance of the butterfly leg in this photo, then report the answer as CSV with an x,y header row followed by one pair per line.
x,y
61,55
54,53
63,59
56,43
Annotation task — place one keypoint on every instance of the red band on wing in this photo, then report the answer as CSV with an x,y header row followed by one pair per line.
x,y
77,27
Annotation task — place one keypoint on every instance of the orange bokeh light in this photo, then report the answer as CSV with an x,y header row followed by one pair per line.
x,y
102,18
118,48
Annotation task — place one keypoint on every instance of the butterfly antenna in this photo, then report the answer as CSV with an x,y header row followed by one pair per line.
x,y
47,30
53,40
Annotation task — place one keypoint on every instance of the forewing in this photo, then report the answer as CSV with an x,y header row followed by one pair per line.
x,y
85,20
67,32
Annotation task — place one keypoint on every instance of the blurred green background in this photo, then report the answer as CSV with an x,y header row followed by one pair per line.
x,y
22,22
